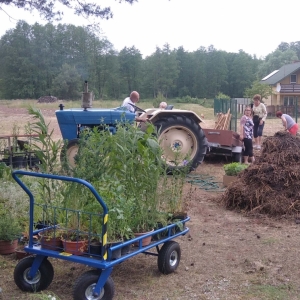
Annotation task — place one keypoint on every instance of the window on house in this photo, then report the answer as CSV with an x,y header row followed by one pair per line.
x,y
293,78
288,101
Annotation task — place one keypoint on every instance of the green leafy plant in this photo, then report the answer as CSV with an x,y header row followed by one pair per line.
x,y
44,146
5,172
125,168
74,235
49,234
9,227
15,132
222,96
46,149
233,169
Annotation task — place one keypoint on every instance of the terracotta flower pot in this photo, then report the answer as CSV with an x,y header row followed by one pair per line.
x,y
21,254
145,241
8,247
76,247
50,243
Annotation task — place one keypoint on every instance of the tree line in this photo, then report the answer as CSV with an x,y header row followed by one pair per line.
x,y
38,60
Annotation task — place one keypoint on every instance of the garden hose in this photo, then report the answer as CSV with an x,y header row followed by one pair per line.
x,y
205,182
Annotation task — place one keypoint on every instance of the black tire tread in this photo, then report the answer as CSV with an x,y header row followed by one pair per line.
x,y
88,278
63,153
163,257
46,270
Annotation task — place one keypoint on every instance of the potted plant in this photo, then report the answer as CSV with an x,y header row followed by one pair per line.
x,y
75,236
128,177
75,242
10,232
231,172
51,239
118,229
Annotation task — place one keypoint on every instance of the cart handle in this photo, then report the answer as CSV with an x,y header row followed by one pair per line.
x,y
57,177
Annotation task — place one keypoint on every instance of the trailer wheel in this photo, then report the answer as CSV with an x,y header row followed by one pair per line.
x,y
169,257
39,282
183,142
69,152
237,157
85,284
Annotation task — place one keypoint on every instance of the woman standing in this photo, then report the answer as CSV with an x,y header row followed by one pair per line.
x,y
259,117
246,136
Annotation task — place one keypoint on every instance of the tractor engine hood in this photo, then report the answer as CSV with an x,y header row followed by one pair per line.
x,y
70,119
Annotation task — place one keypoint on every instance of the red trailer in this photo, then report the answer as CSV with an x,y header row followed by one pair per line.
x,y
224,142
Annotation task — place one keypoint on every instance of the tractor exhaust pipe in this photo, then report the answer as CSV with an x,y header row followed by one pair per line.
x,y
87,97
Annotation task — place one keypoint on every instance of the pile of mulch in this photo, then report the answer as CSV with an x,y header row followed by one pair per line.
x,y
270,186
47,99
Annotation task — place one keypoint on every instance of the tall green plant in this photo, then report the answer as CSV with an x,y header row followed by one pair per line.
x,y
47,150
126,169
44,145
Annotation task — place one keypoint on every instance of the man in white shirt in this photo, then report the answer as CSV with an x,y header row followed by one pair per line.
x,y
132,99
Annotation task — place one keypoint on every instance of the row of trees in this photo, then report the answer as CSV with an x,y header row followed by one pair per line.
x,y
38,60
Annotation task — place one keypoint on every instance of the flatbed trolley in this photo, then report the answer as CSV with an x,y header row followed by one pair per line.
x,y
35,272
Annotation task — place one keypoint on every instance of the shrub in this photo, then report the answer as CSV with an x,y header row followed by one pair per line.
x,y
234,168
9,227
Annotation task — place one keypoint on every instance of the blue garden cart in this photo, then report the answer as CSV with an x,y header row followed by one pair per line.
x,y
35,272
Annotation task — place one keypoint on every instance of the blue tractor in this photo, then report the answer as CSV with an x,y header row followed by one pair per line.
x,y
179,132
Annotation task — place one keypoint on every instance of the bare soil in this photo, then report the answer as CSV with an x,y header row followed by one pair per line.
x,y
225,255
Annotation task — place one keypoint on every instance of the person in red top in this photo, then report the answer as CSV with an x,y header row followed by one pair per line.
x,y
246,136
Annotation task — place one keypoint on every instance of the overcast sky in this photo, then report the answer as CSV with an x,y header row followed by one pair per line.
x,y
256,26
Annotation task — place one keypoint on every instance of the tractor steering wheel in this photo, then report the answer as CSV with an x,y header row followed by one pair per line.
x,y
137,108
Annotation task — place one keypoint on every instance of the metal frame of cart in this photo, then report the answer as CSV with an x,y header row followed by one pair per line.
x,y
35,273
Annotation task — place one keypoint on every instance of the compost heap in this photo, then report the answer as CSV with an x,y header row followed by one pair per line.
x,y
271,185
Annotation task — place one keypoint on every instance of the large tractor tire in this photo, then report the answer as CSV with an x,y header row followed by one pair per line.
x,y
69,152
183,142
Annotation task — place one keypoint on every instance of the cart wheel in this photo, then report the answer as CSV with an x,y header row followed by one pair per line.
x,y
169,257
39,282
84,286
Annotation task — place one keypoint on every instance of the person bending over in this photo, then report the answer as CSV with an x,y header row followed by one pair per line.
x,y
288,123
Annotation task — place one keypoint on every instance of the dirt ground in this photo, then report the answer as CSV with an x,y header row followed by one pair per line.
x,y
225,255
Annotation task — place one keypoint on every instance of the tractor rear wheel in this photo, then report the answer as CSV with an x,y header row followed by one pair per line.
x,y
69,152
183,142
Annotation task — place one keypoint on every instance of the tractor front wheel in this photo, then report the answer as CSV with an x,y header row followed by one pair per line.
x,y
69,152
